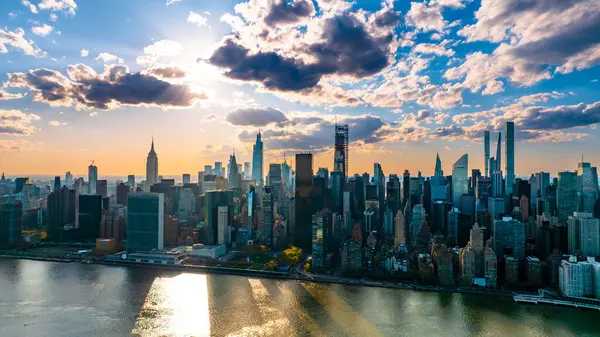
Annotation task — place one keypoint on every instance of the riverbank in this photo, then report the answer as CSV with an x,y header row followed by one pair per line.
x,y
315,278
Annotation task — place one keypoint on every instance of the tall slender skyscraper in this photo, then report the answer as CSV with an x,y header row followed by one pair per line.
x,y
92,178
257,160
69,179
438,167
460,179
510,157
304,208
486,148
340,155
151,168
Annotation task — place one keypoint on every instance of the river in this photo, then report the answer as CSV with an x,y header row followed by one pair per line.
x,y
70,299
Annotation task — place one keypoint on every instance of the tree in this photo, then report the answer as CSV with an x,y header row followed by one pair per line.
x,y
290,256
271,265
307,267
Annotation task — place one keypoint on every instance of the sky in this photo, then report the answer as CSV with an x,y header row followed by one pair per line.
x,y
96,80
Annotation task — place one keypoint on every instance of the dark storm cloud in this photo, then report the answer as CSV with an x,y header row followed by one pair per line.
x,y
115,87
346,49
255,117
289,12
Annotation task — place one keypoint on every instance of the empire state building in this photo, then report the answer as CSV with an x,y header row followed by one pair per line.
x,y
151,168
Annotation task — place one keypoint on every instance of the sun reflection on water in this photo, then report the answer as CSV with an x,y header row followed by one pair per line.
x,y
175,306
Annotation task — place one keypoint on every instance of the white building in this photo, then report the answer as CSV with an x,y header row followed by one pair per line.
x,y
576,278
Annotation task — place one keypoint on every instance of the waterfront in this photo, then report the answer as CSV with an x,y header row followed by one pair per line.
x,y
71,299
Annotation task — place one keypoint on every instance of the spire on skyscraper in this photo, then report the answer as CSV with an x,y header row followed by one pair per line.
x,y
438,167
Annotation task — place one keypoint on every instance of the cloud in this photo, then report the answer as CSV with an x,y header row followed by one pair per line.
x,y
16,122
534,44
255,116
450,3
29,5
115,87
541,97
84,53
425,18
284,12
158,51
93,113
68,6
4,96
56,123
53,17
166,72
196,19
15,145
42,30
430,48
345,48
170,2
16,40
554,118
109,58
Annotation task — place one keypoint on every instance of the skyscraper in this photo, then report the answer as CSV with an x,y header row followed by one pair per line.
x,y
257,160
57,183
509,234
68,179
486,149
218,169
247,171
92,178
11,221
151,168
304,208
185,178
90,216
340,154
566,195
145,221
460,179
268,216
131,181
276,183
510,157
438,167
102,187
62,212
234,181
584,234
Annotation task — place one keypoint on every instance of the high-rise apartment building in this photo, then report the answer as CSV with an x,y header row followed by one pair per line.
x,y
340,153
90,216
486,151
583,234
509,234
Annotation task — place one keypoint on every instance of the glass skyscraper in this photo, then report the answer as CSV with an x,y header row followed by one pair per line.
x,y
460,179
566,195
340,155
145,221
510,157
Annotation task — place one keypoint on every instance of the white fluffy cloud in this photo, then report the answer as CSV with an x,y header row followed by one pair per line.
x,y
109,58
430,48
196,19
29,5
67,6
425,17
84,53
16,122
159,52
16,40
42,30
56,123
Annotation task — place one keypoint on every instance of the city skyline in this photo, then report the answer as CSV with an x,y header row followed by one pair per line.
x,y
429,90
